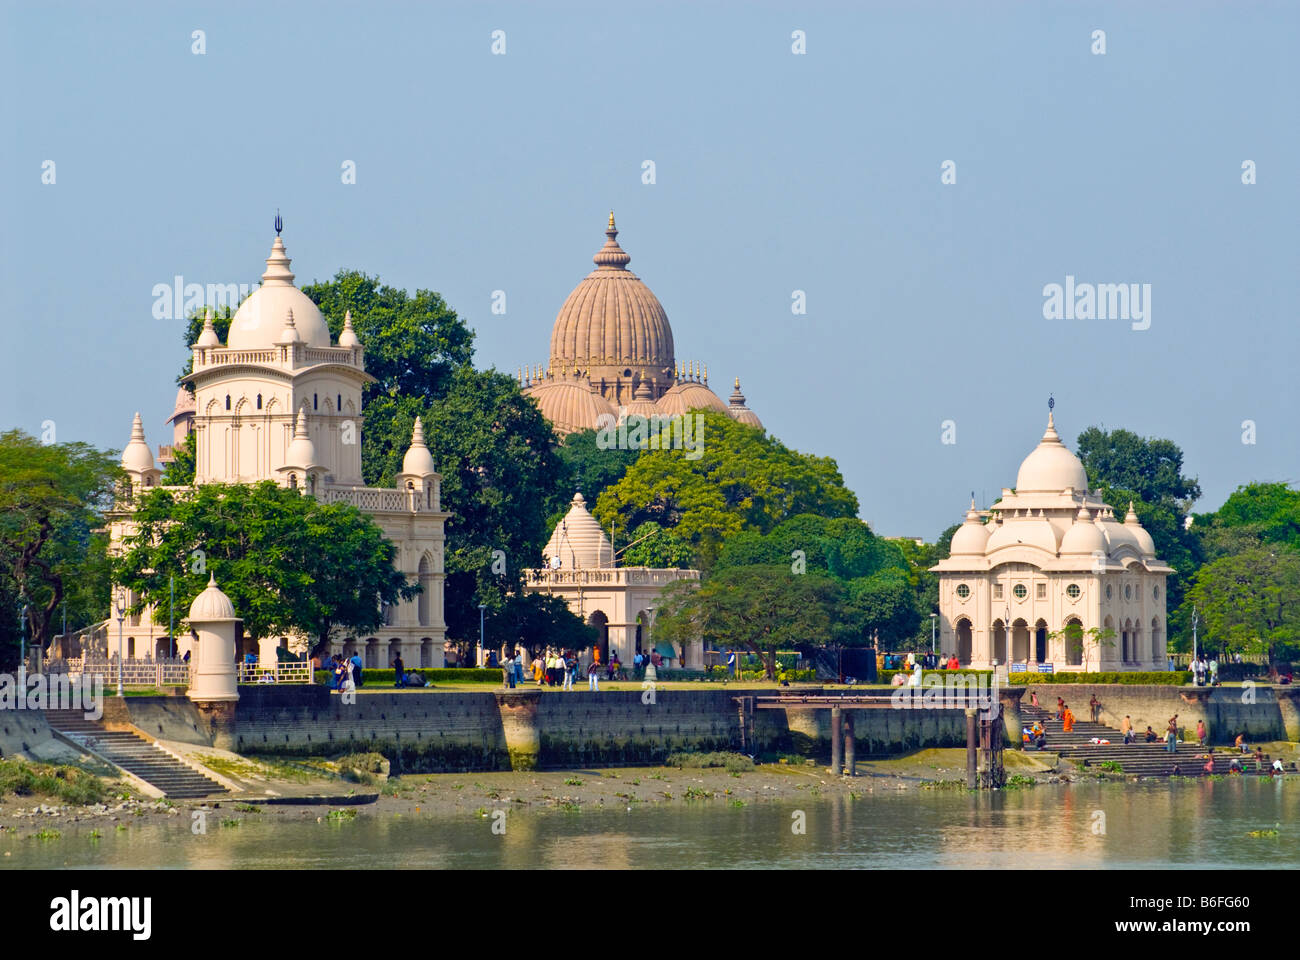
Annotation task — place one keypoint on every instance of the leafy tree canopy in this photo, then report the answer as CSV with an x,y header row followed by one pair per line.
x,y
744,480
650,545
52,499
757,608
1250,602
288,563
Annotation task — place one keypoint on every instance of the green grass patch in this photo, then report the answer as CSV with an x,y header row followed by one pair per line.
x,y
67,783
731,762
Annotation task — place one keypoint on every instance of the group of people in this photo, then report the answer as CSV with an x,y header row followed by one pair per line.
x,y
1204,671
928,661
557,668
345,672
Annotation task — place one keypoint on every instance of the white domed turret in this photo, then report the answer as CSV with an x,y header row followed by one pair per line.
x,y
258,319
301,455
1117,535
211,604
1139,533
1084,538
348,338
578,542
418,461
1028,531
137,458
972,537
290,332
208,337
1051,467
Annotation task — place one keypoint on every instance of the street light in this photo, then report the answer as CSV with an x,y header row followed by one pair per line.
x,y
934,617
22,642
481,608
120,599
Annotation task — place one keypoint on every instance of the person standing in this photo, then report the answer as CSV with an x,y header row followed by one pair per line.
x,y
1126,728
731,663
593,676
1214,672
1200,733
399,672
1093,707
357,679
1067,720
1171,735
570,667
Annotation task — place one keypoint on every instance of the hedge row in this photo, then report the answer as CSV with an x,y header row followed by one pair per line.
x,y
1163,677
388,675
887,676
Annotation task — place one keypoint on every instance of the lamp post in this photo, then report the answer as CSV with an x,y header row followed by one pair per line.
x,y
934,618
22,641
650,627
171,612
1195,619
482,607
120,603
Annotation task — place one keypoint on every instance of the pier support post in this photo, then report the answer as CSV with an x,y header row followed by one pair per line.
x,y
1288,702
1009,700
837,742
518,709
972,744
850,748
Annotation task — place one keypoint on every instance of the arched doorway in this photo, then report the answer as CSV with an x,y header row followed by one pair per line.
x,y
601,623
1020,641
1073,640
1126,651
999,641
163,648
1040,641
426,588
963,642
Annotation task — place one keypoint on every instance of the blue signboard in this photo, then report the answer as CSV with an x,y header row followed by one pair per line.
x,y
1045,668
1017,668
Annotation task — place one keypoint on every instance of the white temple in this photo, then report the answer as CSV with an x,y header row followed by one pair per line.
x,y
1047,555
279,401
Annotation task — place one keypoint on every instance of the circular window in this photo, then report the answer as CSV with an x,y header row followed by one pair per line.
x,y
1072,591
627,373
1128,591
963,591
1020,591
1108,591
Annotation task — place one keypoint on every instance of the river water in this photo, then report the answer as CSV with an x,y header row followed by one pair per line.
x,y
1093,825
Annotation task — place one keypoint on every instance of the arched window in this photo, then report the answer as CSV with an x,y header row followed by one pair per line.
x,y
227,401
426,588
339,407
315,402
259,401
293,481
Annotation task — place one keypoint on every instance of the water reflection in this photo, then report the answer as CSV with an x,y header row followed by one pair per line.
x,y
1202,824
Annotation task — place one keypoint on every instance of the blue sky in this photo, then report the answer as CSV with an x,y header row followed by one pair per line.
x,y
775,172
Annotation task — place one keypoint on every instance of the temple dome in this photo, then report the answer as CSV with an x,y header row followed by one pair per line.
x,y
578,542
611,320
184,405
211,604
1024,531
570,405
301,452
260,318
1051,467
643,404
739,412
971,537
1139,533
691,395
418,460
1084,538
136,455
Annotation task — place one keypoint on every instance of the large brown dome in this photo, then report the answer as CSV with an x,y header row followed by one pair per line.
x,y
612,328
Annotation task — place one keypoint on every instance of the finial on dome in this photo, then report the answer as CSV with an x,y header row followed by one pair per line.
x,y
208,337
212,579
279,224
706,373
417,433
300,426
348,336
611,219
137,427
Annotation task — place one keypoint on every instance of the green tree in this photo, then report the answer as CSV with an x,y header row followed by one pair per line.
x,y
1076,640
743,479
288,563
1123,466
1250,602
762,609
1254,514
650,545
537,621
52,499
884,606
588,468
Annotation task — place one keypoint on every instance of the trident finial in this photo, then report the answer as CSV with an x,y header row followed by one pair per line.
x,y
1051,403
279,224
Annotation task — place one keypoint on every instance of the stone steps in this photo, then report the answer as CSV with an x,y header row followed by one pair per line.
x,y
136,755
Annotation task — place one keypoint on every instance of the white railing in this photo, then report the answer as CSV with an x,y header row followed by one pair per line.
x,y
135,673
293,671
376,500
620,576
